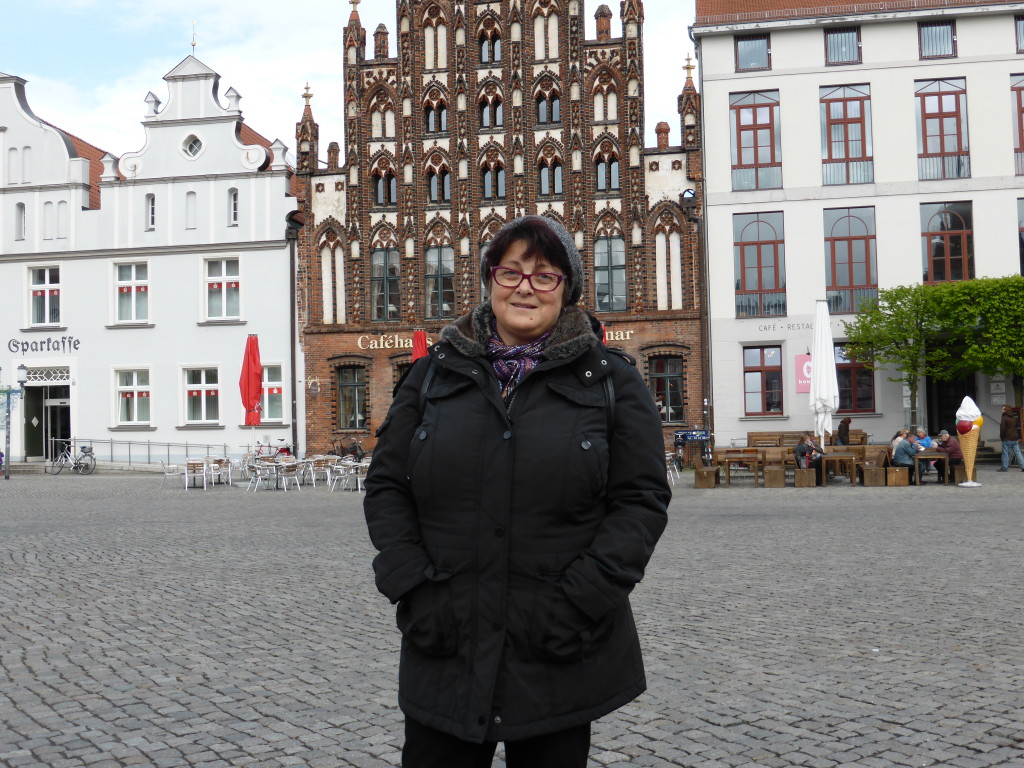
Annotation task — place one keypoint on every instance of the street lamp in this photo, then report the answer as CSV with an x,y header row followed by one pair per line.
x,y
8,391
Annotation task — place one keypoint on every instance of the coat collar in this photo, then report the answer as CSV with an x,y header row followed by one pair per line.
x,y
574,333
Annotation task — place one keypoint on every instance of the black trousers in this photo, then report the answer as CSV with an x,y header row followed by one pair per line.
x,y
940,466
429,748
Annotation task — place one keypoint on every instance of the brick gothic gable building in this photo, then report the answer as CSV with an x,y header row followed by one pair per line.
x,y
490,111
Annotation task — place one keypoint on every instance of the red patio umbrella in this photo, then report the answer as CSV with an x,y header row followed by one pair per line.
x,y
419,345
251,382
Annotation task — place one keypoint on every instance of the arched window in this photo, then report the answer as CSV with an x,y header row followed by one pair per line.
x,y
435,41
440,183
545,36
436,118
549,108
232,207
149,211
492,113
385,188
551,178
494,182
608,174
490,46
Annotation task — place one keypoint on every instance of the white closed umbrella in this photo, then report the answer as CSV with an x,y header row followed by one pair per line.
x,y
824,382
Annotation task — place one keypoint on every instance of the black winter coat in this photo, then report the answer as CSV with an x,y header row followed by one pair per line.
x,y
511,539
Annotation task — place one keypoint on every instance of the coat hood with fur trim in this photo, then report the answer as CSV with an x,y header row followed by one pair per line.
x,y
575,332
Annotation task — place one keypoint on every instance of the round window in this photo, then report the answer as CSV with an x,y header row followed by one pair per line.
x,y
192,146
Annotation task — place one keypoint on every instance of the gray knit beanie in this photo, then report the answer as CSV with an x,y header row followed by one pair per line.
x,y
574,281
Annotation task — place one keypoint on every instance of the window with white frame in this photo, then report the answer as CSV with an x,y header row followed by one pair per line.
x,y
232,207
272,400
133,397
202,396
149,212
222,289
44,283
132,281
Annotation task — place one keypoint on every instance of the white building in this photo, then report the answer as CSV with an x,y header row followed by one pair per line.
x,y
877,146
129,284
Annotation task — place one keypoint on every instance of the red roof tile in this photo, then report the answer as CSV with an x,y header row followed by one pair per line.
x,y
94,155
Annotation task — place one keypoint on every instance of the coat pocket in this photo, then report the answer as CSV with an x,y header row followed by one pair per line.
x,y
426,618
561,632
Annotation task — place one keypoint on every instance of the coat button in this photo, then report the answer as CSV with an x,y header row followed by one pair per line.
x,y
588,374
475,371
585,445
497,719
507,434
423,434
499,531
604,362
441,356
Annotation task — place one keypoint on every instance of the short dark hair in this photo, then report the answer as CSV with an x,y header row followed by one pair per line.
x,y
540,240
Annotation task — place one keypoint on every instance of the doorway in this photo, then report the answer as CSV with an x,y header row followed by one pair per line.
x,y
944,398
47,420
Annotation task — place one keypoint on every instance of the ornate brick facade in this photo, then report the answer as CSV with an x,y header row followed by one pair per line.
x,y
489,111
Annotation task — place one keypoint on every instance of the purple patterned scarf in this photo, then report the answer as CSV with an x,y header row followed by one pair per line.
x,y
511,364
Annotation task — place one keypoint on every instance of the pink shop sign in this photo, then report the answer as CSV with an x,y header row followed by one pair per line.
x,y
803,373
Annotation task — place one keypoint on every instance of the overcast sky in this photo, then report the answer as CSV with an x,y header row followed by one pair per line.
x,y
90,63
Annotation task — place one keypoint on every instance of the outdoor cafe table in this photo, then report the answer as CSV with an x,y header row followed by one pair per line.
x,y
829,457
930,455
753,458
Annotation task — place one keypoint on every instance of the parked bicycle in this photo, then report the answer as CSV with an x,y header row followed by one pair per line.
x,y
353,449
280,449
84,463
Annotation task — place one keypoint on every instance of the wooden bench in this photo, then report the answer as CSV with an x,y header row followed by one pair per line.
x,y
790,437
775,477
805,478
897,476
706,477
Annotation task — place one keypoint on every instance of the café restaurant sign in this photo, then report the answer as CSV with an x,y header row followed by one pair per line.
x,y
388,341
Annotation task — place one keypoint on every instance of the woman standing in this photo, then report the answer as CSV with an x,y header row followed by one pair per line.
x,y
516,493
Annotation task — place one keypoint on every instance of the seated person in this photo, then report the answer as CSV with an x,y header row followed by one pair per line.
x,y
925,442
951,447
808,455
903,455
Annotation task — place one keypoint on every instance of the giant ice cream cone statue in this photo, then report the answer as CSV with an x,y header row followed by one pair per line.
x,y
968,424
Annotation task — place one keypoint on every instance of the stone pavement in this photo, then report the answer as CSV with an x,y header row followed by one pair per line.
x,y
787,627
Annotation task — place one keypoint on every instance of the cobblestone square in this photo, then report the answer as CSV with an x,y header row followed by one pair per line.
x,y
832,627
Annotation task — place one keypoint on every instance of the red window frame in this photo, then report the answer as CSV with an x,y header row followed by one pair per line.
x,y
942,105
860,249
768,377
843,152
950,237
755,140
925,25
1017,91
846,31
755,260
854,379
751,38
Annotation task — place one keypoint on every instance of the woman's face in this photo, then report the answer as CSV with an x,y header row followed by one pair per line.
x,y
522,314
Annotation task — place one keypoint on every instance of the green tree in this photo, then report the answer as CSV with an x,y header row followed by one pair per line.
x,y
894,332
983,327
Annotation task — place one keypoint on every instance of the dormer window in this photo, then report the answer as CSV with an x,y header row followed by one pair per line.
x,y
193,146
